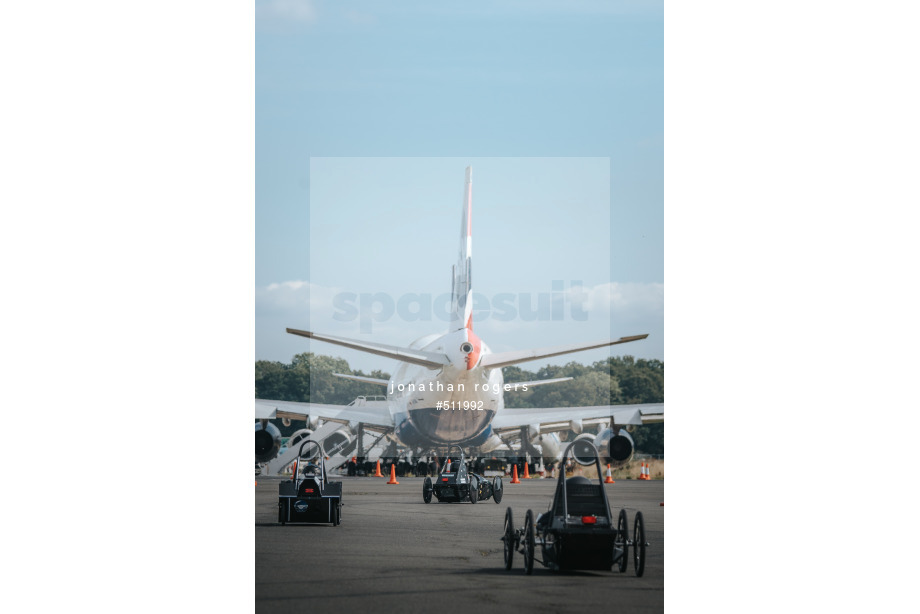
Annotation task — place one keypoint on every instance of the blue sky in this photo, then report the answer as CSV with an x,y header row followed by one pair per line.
x,y
366,115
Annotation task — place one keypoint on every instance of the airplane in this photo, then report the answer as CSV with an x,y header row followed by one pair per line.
x,y
449,389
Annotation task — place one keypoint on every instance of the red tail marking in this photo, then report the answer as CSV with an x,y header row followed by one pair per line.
x,y
473,357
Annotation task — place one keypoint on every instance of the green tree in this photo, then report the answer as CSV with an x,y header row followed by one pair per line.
x,y
649,438
589,388
270,380
518,398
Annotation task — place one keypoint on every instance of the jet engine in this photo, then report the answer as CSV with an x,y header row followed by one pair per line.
x,y
268,441
543,445
494,442
583,454
614,448
549,445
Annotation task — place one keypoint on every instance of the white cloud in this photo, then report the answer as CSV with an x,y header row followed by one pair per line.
x,y
620,300
293,298
288,10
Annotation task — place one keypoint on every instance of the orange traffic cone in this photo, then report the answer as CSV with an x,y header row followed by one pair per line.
x,y
393,474
609,478
644,475
514,479
378,474
526,472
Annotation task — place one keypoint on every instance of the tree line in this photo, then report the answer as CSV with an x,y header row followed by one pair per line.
x,y
616,380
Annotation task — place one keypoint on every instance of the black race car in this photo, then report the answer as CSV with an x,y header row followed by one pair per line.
x,y
309,497
457,483
578,531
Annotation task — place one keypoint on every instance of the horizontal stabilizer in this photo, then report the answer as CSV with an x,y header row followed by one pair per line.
x,y
366,380
539,382
431,360
504,359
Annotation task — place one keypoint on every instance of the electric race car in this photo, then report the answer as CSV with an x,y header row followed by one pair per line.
x,y
457,483
309,497
577,531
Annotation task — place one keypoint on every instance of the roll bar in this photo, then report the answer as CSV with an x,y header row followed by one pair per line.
x,y
561,483
322,460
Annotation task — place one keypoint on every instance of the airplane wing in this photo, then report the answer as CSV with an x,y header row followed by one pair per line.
x,y
366,380
539,382
369,412
511,418
504,359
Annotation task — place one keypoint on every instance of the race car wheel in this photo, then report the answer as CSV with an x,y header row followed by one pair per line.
x,y
474,490
508,538
497,489
529,543
621,541
639,544
426,490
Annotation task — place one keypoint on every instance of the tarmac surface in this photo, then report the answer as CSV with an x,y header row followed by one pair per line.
x,y
394,553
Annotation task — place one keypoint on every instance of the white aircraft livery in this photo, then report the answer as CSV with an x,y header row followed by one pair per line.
x,y
449,389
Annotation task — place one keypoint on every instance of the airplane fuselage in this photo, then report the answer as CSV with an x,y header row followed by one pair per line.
x,y
454,404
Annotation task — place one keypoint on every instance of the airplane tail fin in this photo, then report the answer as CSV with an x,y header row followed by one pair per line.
x,y
461,303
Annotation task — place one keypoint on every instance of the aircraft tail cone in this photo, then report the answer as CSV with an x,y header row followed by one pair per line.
x,y
378,474
514,479
393,474
609,478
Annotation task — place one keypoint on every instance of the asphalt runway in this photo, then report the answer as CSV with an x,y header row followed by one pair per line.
x,y
394,553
